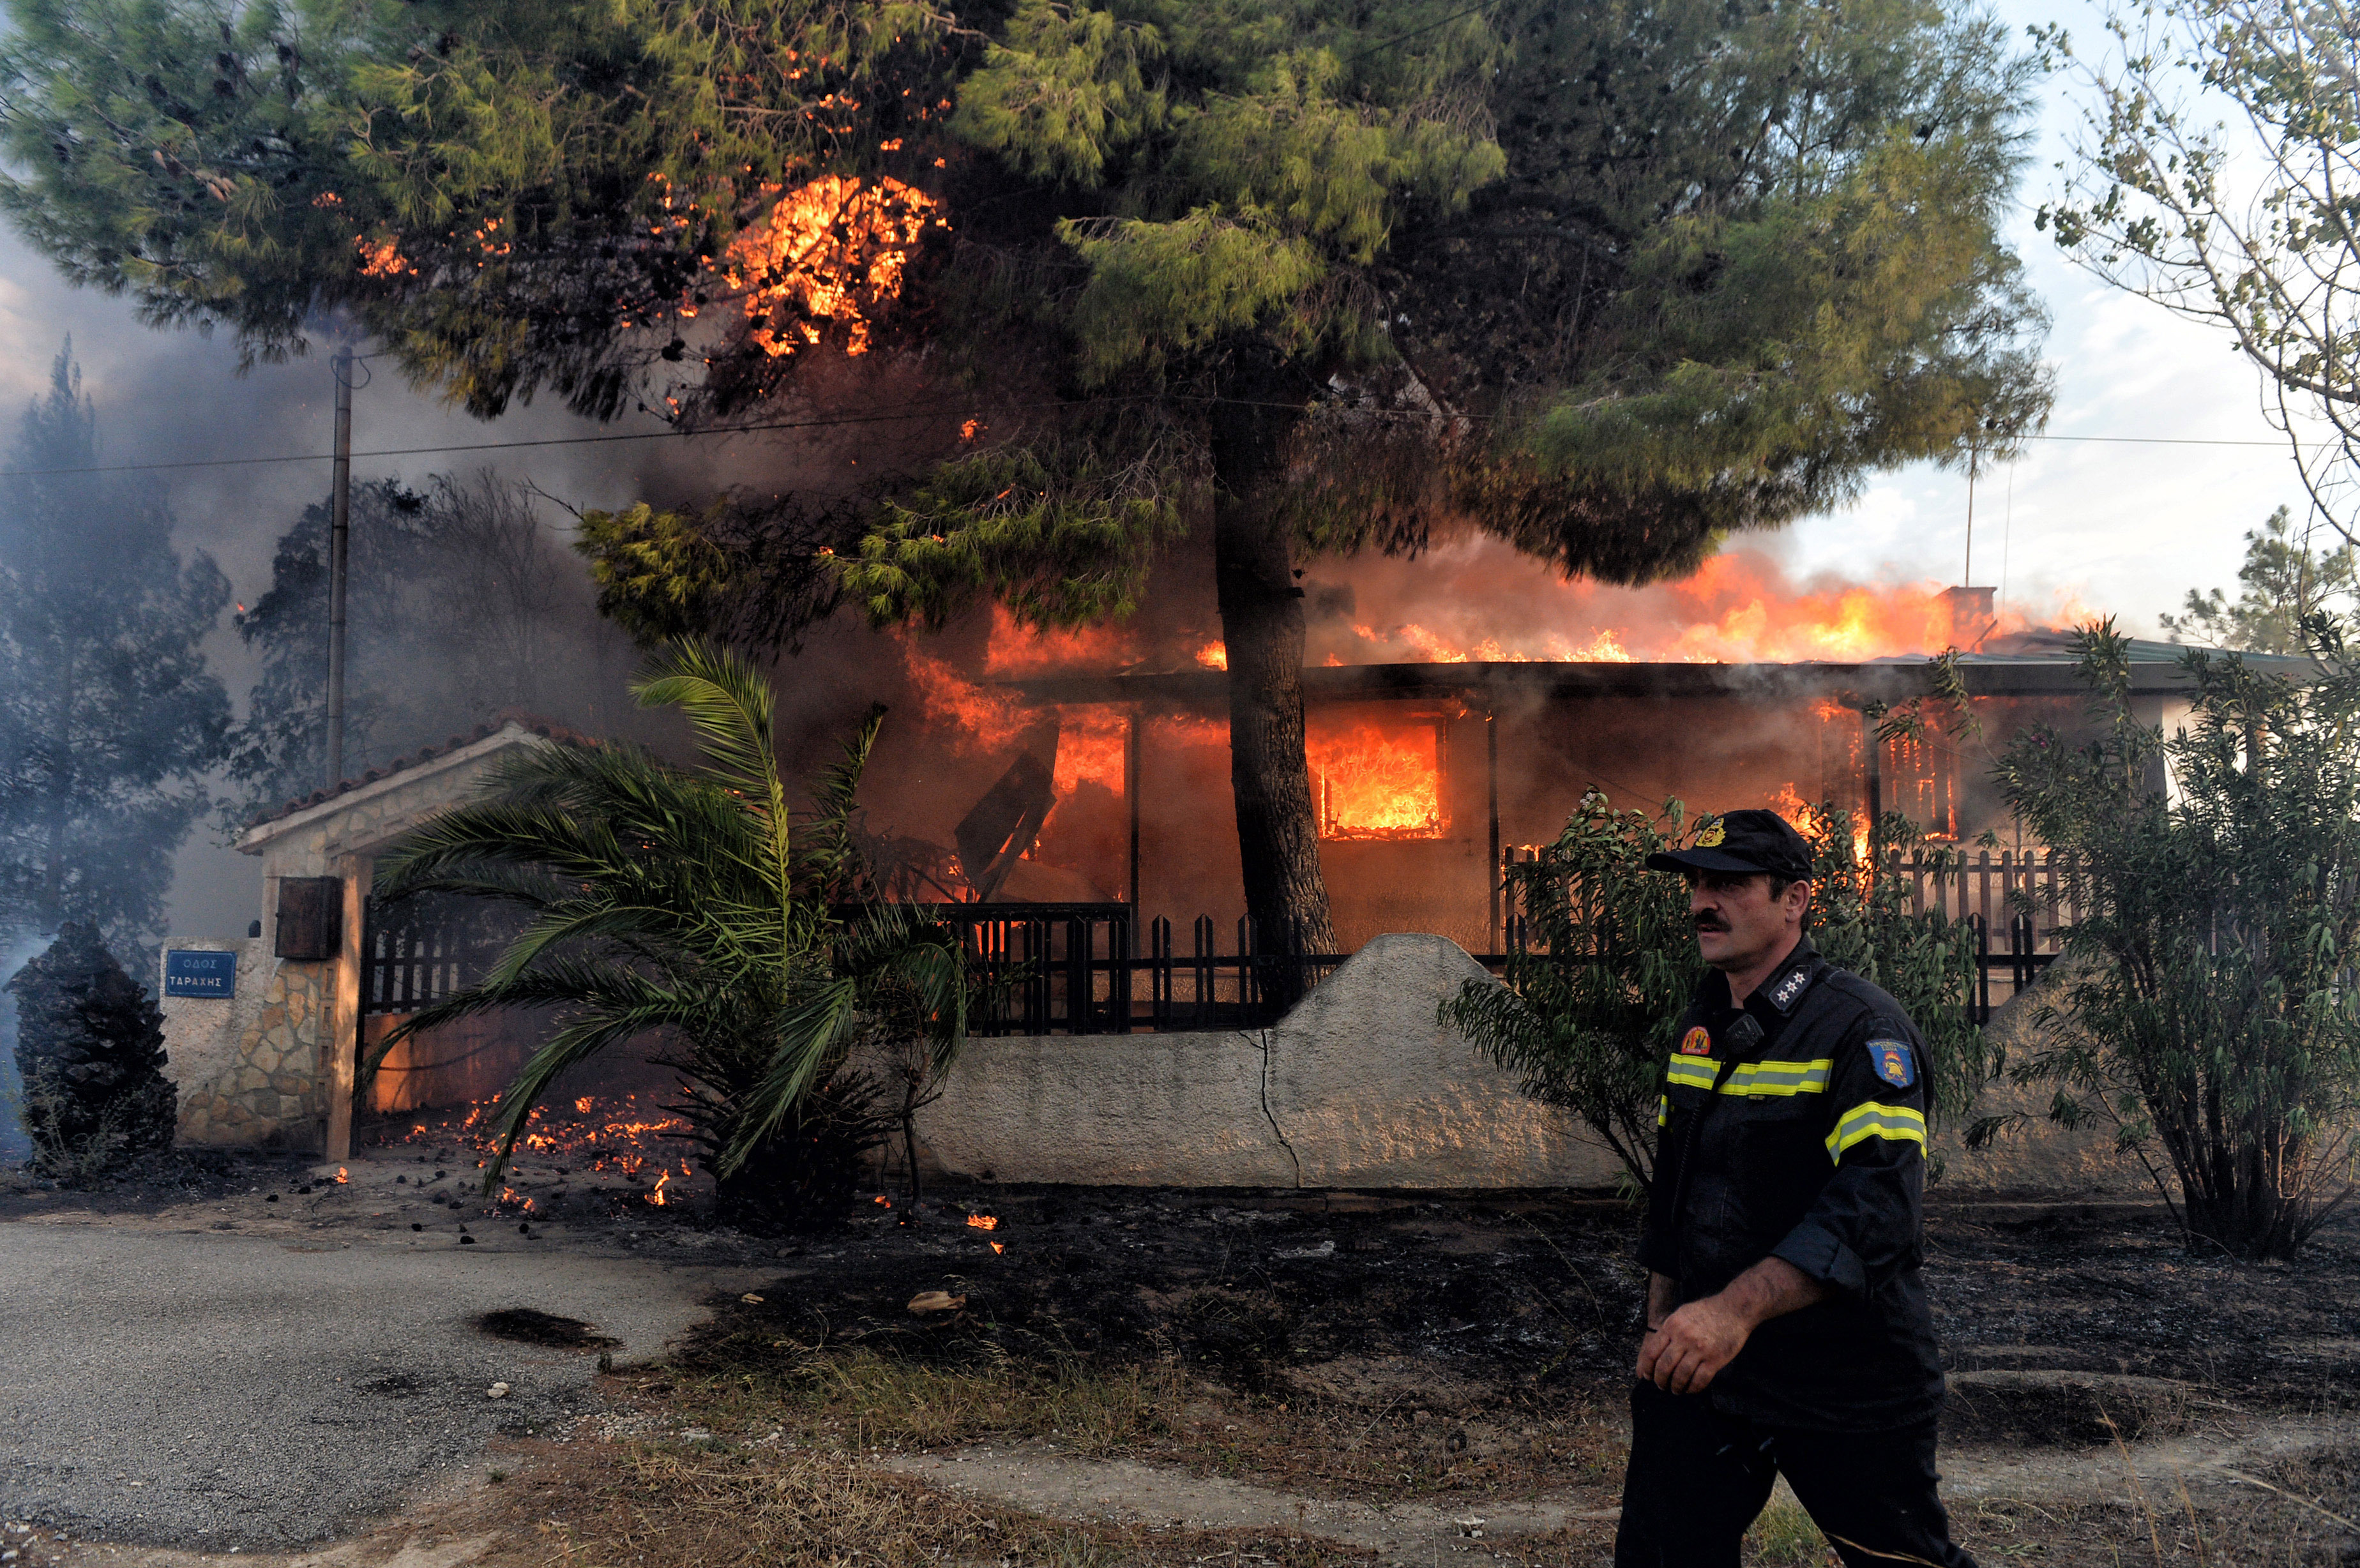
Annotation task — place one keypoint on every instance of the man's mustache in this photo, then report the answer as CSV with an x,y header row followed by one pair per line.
x,y
1711,923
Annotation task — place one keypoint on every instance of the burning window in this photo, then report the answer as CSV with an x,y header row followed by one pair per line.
x,y
1377,774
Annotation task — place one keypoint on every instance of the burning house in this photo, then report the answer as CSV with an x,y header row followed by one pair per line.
x,y
1084,839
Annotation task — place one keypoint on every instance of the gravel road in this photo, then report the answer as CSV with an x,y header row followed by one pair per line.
x,y
217,1391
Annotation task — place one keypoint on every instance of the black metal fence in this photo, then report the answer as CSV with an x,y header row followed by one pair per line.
x,y
2013,901
1086,969
1038,968
1074,969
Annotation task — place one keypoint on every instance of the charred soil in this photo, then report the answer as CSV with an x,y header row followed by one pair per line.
x,y
1426,1360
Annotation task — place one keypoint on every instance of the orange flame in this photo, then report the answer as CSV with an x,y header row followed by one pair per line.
x,y
829,253
1476,599
1214,656
341,1176
984,1222
381,258
998,1247
656,1194
1805,816
1375,778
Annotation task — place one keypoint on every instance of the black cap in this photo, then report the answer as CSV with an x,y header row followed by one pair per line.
x,y
1741,844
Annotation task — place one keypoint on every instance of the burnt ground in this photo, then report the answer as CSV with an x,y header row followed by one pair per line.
x,y
1461,1351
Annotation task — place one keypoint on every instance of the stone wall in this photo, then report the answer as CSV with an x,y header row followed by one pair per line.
x,y
1360,1086
248,1068
2034,1155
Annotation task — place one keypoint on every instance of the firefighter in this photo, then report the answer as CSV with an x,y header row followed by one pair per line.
x,y
1787,1330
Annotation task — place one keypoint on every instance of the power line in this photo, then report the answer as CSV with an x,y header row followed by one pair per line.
x,y
832,420
1415,32
839,420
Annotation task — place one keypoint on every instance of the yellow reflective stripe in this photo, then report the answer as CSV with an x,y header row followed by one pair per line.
x,y
1779,1078
1663,1110
1898,1124
1755,1079
1693,1071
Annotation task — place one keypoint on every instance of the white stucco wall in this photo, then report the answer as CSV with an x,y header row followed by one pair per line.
x,y
1358,1087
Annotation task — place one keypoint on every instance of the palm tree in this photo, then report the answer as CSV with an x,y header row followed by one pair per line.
x,y
690,904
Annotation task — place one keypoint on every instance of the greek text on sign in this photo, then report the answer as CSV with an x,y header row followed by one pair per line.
x,y
200,972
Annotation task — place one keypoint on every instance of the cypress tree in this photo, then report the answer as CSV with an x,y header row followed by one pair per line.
x,y
90,1052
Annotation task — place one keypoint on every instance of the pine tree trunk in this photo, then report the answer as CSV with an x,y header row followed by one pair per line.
x,y
1261,625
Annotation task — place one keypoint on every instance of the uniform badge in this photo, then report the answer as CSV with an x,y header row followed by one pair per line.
x,y
1711,835
1783,994
1893,1061
1696,1043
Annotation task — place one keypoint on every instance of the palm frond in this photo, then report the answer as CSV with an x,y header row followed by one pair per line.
x,y
824,861
809,1035
728,703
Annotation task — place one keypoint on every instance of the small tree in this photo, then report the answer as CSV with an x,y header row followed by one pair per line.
x,y
90,1053
2286,582
1594,995
2203,1005
689,905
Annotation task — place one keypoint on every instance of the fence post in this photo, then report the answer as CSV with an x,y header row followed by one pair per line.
x,y
1208,1016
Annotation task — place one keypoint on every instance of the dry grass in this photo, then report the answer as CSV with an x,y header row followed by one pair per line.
x,y
856,1398
920,1391
668,1506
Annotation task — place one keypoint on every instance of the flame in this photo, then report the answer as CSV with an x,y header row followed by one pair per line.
x,y
998,1247
1376,778
1476,599
828,253
1790,804
341,1178
1018,649
381,258
655,1193
609,1137
980,720
1214,656
984,1222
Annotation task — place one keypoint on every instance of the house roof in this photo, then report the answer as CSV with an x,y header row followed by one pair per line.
x,y
534,724
2034,664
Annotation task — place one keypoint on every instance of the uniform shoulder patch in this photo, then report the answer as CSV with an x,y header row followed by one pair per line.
x,y
1893,1061
1696,1043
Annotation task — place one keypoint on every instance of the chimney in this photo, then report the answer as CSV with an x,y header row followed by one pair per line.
x,y
1973,617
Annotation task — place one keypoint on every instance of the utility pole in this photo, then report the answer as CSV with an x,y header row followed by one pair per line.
x,y
340,534
1974,461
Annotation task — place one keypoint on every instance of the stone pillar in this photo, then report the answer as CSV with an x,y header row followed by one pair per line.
x,y
340,1023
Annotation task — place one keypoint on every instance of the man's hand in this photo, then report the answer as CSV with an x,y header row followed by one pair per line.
x,y
1684,1352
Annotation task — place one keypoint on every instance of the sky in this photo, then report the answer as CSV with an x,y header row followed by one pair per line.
x,y
2120,527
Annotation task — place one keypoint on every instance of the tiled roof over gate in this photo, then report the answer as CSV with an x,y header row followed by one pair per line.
x,y
550,729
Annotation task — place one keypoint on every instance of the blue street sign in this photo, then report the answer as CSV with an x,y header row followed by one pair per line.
x,y
200,972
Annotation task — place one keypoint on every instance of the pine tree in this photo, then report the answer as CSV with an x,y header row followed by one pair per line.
x,y
90,1053
109,715
2286,582
1609,282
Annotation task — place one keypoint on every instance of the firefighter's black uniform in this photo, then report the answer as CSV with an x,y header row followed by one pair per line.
x,y
1794,1128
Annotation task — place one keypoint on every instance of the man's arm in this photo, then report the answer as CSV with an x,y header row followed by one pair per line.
x,y
1663,1296
1865,1223
1686,1348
